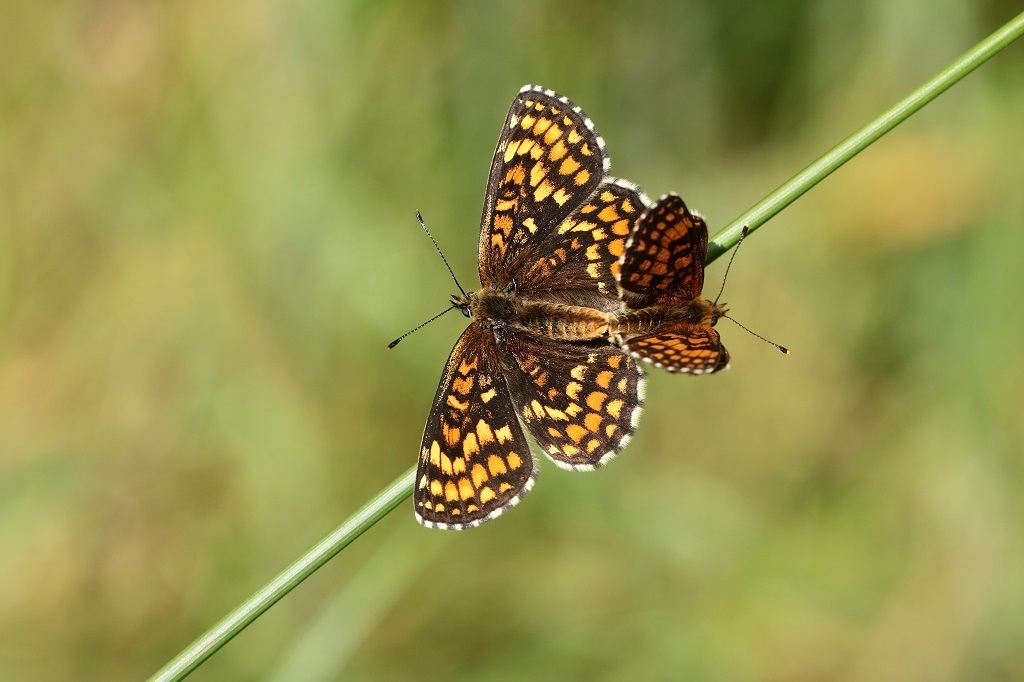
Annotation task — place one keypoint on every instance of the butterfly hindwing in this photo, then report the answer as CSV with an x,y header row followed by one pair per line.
x,y
697,350
548,161
580,258
475,461
664,258
580,403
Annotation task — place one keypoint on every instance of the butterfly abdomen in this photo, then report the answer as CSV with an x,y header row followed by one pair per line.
x,y
698,312
564,322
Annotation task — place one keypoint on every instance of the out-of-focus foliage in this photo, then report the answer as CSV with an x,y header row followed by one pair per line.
x,y
207,239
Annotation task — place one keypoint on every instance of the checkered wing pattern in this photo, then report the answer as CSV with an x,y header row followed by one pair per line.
x,y
664,258
474,461
548,161
579,260
580,403
691,349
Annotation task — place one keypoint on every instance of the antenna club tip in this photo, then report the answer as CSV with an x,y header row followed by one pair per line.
x,y
785,351
395,343
745,231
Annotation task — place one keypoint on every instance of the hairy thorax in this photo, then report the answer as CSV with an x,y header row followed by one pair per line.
x,y
503,310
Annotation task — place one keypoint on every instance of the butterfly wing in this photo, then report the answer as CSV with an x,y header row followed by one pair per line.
x,y
548,161
475,461
580,402
664,257
695,351
578,261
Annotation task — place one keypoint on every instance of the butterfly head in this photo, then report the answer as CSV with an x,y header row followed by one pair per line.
x,y
464,303
715,311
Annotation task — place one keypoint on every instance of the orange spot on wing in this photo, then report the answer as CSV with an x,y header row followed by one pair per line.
x,y
543,191
463,385
575,432
484,433
496,465
614,407
557,151
454,403
479,474
552,135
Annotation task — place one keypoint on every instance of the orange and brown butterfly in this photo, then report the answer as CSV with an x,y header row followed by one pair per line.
x,y
554,226
660,278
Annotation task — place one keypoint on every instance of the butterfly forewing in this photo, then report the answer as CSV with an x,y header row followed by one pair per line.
x,y
475,461
578,261
694,351
664,259
548,160
580,403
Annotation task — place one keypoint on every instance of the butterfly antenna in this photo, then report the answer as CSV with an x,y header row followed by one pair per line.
x,y
419,327
785,351
743,235
419,217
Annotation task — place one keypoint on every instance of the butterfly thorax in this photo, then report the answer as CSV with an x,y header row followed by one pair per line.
x,y
699,312
506,310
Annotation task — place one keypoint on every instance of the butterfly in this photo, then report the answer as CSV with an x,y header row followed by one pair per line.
x,y
536,351
660,278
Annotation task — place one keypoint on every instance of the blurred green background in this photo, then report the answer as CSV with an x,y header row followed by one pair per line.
x,y
207,239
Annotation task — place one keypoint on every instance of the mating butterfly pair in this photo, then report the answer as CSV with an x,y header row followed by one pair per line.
x,y
563,248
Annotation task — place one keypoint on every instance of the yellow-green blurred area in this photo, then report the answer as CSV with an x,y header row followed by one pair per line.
x,y
207,239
